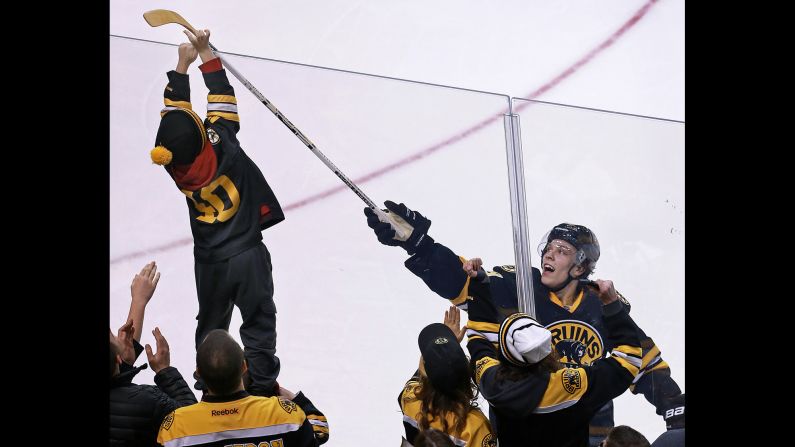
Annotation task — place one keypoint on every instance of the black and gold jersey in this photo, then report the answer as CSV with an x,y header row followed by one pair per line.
x,y
228,198
477,431
554,409
239,420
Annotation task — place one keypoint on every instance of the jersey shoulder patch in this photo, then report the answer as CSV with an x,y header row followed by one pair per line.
x,y
287,405
167,421
506,268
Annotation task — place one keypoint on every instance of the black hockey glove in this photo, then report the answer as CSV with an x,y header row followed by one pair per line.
x,y
674,412
411,223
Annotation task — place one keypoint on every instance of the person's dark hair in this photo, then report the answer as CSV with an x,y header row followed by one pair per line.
x,y
220,362
432,438
547,365
625,436
435,403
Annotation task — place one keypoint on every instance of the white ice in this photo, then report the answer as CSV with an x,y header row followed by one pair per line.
x,y
349,312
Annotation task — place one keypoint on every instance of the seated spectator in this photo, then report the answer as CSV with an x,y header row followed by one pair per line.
x,y
228,413
440,394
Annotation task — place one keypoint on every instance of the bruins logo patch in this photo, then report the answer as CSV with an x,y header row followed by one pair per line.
x,y
167,421
571,380
577,342
508,268
287,405
489,441
213,136
409,393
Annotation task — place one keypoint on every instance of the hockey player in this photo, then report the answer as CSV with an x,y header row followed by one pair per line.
x,y
229,204
441,394
563,303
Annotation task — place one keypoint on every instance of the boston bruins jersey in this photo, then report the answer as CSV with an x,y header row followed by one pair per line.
x,y
228,199
477,431
237,421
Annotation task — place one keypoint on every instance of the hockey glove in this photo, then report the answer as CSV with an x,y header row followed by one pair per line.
x,y
411,223
674,412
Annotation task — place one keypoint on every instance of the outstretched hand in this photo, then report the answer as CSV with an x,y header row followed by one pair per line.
x,y
452,319
125,340
144,283
161,359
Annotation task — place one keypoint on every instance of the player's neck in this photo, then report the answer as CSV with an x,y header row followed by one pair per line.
x,y
568,294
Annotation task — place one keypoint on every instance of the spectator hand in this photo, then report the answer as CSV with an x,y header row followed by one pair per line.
x,y
125,340
162,359
452,319
144,283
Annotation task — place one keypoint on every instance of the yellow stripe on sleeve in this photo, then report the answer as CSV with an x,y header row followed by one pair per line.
x,y
180,104
222,98
482,365
213,116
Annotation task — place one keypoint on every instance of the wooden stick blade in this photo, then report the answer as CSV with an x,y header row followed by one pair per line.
x,y
158,17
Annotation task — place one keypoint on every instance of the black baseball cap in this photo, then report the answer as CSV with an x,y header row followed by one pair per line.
x,y
445,363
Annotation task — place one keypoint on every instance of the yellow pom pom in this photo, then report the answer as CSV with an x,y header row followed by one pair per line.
x,y
160,155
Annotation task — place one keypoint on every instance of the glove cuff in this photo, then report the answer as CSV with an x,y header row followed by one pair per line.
x,y
424,242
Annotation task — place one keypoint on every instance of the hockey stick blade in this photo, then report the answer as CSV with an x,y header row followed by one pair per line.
x,y
158,17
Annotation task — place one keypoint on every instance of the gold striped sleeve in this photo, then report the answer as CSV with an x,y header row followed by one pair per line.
x,y
482,326
222,98
319,423
566,387
180,104
462,296
482,365
214,115
661,365
222,106
629,357
480,329
650,355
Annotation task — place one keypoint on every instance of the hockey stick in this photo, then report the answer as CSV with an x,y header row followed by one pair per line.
x,y
158,17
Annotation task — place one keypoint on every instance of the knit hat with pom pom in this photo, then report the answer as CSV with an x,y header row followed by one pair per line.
x,y
180,138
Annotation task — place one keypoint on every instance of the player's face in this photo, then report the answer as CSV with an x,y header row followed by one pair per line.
x,y
558,259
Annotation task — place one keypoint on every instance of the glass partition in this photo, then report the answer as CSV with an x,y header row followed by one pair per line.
x,y
621,176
